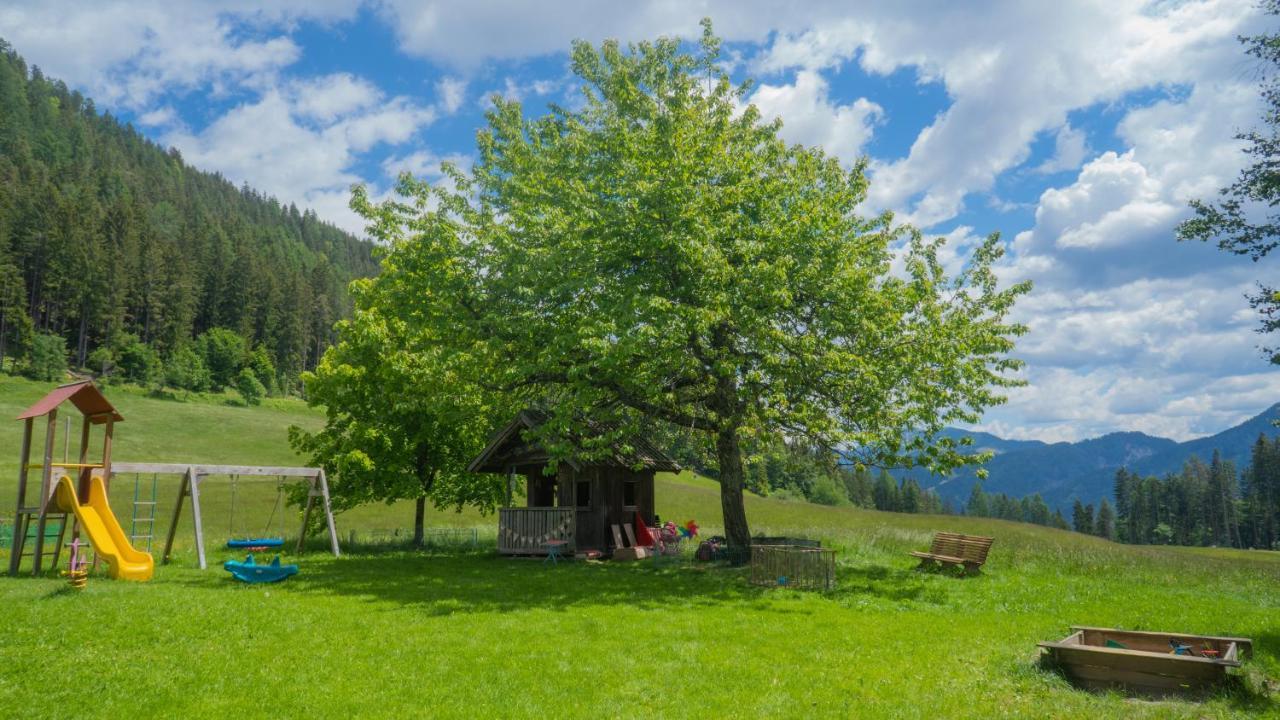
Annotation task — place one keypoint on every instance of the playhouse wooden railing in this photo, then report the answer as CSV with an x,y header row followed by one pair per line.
x,y
525,531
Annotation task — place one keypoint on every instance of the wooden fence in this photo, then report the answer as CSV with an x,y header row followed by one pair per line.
x,y
525,531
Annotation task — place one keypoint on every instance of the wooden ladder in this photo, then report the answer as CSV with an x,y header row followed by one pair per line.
x,y
24,524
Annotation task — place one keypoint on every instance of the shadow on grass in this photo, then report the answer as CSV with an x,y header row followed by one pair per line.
x,y
445,583
894,584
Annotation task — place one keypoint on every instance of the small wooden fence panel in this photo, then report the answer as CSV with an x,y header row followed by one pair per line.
x,y
525,531
795,566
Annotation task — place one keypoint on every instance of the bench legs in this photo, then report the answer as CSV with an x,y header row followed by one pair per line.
x,y
967,569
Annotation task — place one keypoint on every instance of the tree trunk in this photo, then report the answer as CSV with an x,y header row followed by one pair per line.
x,y
729,453
419,520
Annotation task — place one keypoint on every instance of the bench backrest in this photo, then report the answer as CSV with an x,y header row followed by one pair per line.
x,y
973,548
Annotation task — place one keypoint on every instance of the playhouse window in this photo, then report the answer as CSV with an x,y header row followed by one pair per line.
x,y
629,493
582,494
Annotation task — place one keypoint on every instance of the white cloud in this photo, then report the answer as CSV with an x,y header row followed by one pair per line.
x,y
277,144
1071,146
159,117
128,52
452,92
1013,71
328,97
809,117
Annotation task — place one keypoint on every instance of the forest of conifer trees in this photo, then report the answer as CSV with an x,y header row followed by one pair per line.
x,y
117,255
1205,504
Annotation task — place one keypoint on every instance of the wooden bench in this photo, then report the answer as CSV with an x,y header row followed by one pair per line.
x,y
967,551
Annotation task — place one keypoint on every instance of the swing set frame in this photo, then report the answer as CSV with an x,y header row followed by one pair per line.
x,y
194,475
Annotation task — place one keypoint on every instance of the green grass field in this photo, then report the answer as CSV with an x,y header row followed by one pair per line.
x,y
384,632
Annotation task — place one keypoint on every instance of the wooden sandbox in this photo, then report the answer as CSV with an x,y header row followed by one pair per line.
x,y
1144,663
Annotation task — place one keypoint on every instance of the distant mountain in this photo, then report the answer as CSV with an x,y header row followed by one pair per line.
x,y
1062,472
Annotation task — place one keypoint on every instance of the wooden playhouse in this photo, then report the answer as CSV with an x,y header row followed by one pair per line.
x,y
578,504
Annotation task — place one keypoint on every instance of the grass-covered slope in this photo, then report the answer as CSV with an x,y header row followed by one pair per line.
x,y
397,634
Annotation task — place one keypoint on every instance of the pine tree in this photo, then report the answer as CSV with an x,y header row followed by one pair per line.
x,y
1105,524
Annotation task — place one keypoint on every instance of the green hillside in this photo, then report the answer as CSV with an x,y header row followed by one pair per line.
x,y
106,237
467,634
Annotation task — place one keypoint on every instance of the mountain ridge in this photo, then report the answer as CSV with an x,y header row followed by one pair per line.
x,y
1063,472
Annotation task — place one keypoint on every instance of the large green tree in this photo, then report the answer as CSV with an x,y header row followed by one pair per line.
x,y
400,424
660,254
1246,218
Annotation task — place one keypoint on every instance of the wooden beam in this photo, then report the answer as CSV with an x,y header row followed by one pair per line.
x,y
106,452
51,430
306,514
180,468
183,489
328,512
195,516
15,558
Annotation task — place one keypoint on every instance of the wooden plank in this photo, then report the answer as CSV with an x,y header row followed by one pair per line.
x,y
195,515
45,490
250,470
328,513
1130,679
1246,645
173,524
1136,660
15,559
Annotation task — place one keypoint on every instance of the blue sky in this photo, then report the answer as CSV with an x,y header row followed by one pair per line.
x,y
1078,131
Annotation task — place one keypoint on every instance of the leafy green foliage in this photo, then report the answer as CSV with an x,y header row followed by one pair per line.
x,y
186,370
224,352
139,363
661,255
401,423
250,387
48,360
1240,221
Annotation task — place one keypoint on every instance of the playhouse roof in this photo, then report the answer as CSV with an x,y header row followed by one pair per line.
x,y
507,445
84,395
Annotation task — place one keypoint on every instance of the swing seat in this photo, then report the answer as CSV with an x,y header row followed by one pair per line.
x,y
251,572
255,543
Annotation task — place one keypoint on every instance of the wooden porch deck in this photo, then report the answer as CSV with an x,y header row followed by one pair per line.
x,y
525,531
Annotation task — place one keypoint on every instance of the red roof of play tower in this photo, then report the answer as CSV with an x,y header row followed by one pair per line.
x,y
84,395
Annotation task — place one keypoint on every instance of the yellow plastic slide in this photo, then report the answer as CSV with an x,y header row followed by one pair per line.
x,y
99,523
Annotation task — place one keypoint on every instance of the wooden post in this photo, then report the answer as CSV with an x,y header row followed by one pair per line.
x,y
106,453
51,431
85,473
183,489
195,514
511,480
306,512
15,558
328,512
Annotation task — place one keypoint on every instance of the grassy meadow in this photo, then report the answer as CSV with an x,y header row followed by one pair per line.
x,y
385,632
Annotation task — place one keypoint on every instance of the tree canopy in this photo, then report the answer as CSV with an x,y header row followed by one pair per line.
x,y
400,424
1246,218
660,254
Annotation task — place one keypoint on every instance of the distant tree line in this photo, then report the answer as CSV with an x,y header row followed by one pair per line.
x,y
1204,504
117,256
1030,509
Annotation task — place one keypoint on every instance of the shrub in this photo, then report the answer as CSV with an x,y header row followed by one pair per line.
x,y
140,363
249,387
224,354
186,370
48,358
102,362
260,362
825,491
